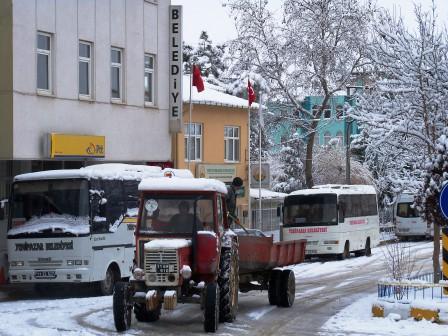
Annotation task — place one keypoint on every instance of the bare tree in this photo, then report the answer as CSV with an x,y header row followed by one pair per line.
x,y
399,262
406,112
312,49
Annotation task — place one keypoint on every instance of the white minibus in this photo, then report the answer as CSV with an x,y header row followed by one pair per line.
x,y
334,219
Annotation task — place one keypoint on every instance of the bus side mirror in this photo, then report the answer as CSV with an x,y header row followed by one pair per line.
x,y
279,211
2,213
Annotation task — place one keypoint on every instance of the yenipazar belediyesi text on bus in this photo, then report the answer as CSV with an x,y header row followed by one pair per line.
x,y
335,219
69,226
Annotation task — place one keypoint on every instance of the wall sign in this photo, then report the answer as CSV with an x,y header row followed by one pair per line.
x,y
264,175
224,173
76,146
175,78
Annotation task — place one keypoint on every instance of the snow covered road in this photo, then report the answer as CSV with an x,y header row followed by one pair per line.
x,y
323,289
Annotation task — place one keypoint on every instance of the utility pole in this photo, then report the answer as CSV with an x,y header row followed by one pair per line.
x,y
348,122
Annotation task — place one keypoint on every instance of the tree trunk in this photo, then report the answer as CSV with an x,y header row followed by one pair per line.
x,y
309,162
436,253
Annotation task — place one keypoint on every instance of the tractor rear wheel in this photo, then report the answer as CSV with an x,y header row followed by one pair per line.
x,y
228,282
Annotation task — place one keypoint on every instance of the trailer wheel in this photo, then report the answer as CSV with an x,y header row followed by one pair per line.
x,y
287,289
144,315
211,307
122,307
228,282
273,288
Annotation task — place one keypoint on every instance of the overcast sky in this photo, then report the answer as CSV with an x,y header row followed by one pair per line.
x,y
209,15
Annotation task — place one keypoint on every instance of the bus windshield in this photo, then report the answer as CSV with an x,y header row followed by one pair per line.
x,y
50,206
310,210
176,214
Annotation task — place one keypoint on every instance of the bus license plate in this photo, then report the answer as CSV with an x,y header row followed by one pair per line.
x,y
45,274
162,268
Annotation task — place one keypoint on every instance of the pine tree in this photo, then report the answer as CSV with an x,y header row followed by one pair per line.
x,y
290,174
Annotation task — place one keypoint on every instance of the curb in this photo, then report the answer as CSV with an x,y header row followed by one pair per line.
x,y
418,313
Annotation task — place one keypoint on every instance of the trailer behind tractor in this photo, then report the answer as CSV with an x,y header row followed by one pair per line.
x,y
186,253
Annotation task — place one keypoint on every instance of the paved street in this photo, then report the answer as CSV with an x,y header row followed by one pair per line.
x,y
320,293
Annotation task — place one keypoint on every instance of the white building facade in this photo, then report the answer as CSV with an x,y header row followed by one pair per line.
x,y
82,81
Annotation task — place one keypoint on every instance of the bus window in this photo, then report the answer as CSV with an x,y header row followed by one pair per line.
x,y
310,210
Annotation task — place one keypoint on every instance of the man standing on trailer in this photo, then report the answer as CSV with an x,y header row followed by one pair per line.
x,y
232,190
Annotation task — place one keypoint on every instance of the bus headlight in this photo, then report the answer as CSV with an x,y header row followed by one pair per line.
x,y
16,263
331,242
139,274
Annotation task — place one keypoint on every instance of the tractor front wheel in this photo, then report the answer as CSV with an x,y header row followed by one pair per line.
x,y
122,307
211,307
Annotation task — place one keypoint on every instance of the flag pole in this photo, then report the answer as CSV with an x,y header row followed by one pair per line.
x,y
260,110
189,120
249,174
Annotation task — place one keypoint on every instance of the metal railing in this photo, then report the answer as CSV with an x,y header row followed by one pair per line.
x,y
418,287
270,220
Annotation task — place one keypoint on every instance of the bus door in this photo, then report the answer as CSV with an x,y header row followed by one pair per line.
x,y
109,236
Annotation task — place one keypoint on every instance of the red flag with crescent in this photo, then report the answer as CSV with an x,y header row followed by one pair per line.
x,y
197,79
250,93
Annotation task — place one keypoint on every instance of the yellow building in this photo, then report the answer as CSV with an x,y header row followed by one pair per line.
x,y
218,143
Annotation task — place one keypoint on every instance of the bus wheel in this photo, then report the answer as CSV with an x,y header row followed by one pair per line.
x,y
368,250
107,285
346,253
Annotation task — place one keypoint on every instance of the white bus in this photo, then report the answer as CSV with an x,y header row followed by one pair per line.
x,y
408,222
70,226
334,219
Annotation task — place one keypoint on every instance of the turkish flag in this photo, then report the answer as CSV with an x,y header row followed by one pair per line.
x,y
197,79
250,93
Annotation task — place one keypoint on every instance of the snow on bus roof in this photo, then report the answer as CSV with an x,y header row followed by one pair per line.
x,y
106,171
337,189
266,194
187,184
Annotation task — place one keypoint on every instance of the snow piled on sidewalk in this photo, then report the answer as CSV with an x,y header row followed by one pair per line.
x,y
357,319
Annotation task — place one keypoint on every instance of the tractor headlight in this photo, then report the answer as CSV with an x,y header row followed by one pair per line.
x,y
139,274
186,272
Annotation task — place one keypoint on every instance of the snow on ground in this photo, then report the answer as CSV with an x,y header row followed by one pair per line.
x,y
49,317
357,319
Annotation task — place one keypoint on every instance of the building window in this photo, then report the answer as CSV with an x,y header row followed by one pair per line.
x,y
85,69
231,143
44,62
327,138
339,111
149,79
193,148
327,112
116,57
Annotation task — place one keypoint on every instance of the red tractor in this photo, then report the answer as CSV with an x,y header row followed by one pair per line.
x,y
186,253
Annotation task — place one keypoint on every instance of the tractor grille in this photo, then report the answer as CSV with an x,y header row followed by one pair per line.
x,y
160,267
